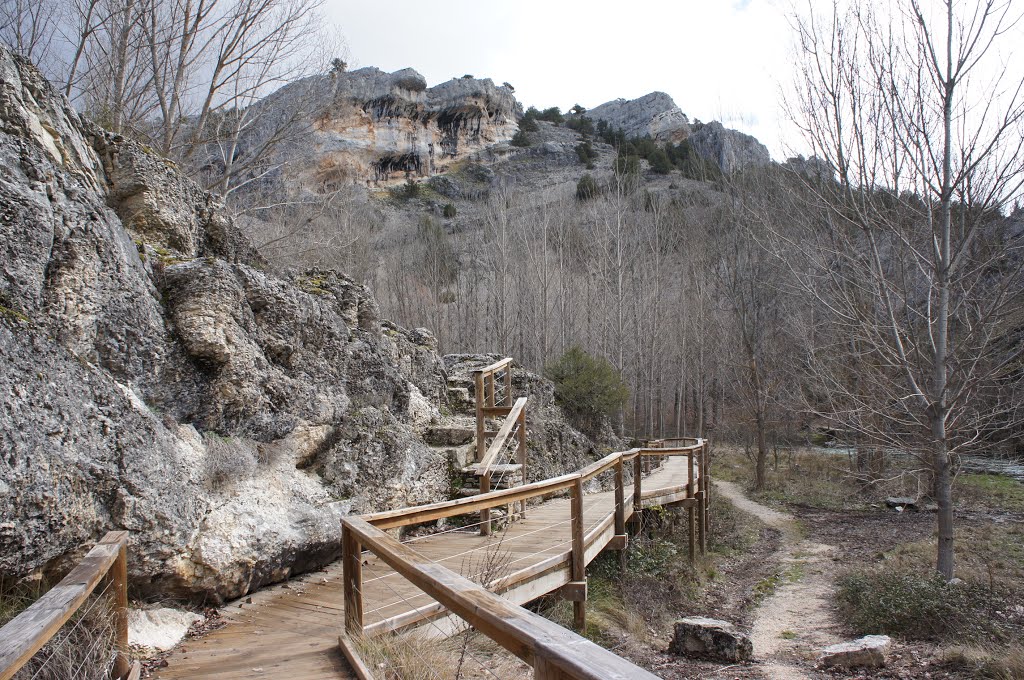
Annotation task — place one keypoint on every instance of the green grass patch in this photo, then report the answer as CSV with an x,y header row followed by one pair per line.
x,y
996,492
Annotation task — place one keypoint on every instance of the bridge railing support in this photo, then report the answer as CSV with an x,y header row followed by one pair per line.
x,y
24,635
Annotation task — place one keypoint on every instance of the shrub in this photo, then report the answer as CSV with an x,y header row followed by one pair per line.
x,y
660,162
228,459
908,604
405,192
581,124
528,123
586,153
588,388
449,210
551,115
520,139
586,188
626,165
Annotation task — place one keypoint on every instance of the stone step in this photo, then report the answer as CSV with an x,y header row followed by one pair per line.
x,y
449,435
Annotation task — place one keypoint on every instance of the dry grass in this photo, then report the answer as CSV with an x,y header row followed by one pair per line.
x,y
986,662
419,656
227,460
82,649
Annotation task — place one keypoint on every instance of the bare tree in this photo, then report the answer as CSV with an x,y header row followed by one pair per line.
x,y
922,124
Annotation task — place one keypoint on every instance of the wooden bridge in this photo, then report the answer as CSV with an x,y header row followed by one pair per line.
x,y
484,556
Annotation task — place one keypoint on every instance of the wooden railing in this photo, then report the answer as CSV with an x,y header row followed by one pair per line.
x,y
553,651
30,630
488,405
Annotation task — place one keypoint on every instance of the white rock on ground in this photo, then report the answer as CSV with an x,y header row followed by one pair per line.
x,y
867,652
159,628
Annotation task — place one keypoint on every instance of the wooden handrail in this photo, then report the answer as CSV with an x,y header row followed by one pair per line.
x,y
498,443
539,642
418,514
29,631
496,366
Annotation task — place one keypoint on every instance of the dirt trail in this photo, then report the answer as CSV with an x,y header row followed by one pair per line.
x,y
795,621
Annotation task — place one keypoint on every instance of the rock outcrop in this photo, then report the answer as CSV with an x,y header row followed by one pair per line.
x,y
730,149
371,127
654,115
157,378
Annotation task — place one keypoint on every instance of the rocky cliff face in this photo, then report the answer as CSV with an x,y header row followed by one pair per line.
x,y
155,377
657,116
732,150
654,115
372,127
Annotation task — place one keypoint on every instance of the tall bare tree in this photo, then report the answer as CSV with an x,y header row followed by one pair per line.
x,y
921,121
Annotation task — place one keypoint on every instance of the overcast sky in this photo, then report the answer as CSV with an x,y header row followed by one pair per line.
x,y
718,59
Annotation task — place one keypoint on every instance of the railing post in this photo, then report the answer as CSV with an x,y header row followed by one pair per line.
x,y
705,487
579,567
507,401
489,389
620,499
119,578
691,511
637,477
521,457
478,384
352,575
620,509
485,514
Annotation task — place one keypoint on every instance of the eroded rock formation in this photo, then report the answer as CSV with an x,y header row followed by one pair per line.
x,y
156,377
372,127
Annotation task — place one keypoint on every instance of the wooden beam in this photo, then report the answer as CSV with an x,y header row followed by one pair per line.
x,y
351,652
637,482
496,366
508,385
418,514
478,393
574,591
496,410
579,557
523,633
702,537
521,458
618,542
620,498
485,513
118,576
498,443
26,633
135,672
352,575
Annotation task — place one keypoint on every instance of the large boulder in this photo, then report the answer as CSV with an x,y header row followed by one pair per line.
x,y
710,638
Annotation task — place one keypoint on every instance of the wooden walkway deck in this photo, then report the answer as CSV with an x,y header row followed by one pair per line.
x,y
291,630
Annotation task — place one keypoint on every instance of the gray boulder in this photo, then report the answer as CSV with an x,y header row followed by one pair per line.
x,y
710,638
867,652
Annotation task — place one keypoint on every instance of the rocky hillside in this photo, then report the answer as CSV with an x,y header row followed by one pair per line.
x,y
158,377
368,126
657,116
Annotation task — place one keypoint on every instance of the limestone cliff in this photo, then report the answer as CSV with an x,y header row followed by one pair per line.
x,y
156,377
371,127
655,115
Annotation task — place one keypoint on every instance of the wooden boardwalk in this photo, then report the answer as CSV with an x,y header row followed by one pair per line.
x,y
291,630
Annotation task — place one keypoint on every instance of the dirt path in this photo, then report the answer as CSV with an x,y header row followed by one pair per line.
x,y
793,623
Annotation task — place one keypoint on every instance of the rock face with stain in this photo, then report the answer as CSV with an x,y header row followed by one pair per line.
x,y
156,377
371,127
